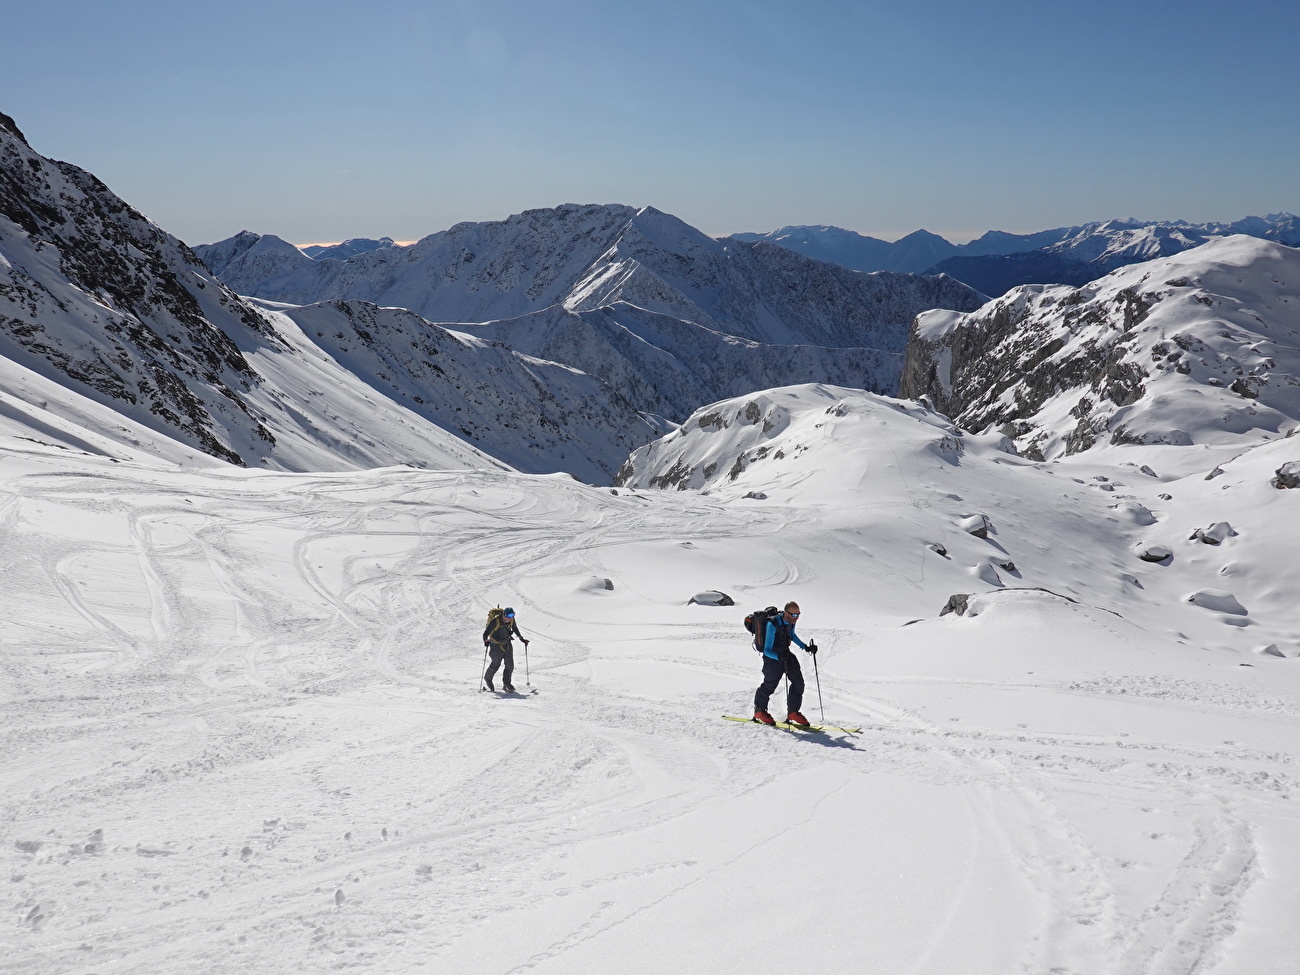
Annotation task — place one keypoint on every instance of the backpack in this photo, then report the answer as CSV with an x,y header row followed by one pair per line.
x,y
496,620
756,623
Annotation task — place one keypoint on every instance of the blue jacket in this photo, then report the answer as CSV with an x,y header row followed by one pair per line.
x,y
769,644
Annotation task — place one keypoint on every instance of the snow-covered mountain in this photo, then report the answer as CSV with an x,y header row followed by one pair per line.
x,y
656,298
364,386
911,254
1198,348
115,339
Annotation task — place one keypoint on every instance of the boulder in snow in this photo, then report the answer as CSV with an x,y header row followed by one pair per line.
x,y
1154,553
595,584
1133,513
711,597
1218,600
977,525
987,573
957,603
1288,476
1216,534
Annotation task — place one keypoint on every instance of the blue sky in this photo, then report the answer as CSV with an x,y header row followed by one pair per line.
x,y
322,120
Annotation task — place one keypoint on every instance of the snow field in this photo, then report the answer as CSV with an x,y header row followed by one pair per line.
x,y
240,729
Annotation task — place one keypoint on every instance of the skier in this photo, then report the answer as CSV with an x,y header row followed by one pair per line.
x,y
496,637
778,661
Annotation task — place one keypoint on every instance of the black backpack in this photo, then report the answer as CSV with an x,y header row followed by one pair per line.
x,y
756,623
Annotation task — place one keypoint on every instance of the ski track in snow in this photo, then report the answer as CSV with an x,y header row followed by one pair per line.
x,y
264,697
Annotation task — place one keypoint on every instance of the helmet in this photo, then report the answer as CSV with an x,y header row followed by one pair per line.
x,y
509,611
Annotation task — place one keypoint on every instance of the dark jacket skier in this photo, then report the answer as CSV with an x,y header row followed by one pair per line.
x,y
780,661
496,637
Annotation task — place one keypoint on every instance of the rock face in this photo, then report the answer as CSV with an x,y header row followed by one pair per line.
x,y
670,316
97,297
1197,348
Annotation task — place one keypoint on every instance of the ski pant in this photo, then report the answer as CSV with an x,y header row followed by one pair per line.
x,y
500,653
773,671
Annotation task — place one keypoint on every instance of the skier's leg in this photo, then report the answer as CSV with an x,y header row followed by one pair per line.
x,y
494,654
772,672
794,671
508,655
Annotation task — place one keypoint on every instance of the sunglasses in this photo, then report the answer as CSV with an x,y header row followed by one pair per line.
x,y
788,613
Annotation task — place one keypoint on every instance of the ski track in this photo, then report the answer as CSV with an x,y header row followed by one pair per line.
x,y
266,684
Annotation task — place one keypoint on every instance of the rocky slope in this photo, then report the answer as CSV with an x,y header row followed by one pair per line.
x,y
1199,348
95,296
114,338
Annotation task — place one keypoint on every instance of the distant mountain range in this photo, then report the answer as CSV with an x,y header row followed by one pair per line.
x,y
348,248
997,262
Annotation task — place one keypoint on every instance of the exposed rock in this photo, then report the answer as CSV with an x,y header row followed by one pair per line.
x,y
596,584
711,597
1216,534
1288,476
1155,553
957,603
977,525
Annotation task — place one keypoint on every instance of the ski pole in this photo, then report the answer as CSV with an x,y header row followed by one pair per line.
x,y
528,682
819,687
482,670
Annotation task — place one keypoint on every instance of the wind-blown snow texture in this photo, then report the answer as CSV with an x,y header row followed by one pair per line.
x,y
1199,348
240,727
671,317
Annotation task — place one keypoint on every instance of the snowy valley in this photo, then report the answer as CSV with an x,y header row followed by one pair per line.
x,y
249,543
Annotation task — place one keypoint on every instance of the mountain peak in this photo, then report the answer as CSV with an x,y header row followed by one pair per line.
x,y
11,127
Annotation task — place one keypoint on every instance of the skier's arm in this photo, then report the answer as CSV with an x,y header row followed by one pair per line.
x,y
771,637
795,638
514,625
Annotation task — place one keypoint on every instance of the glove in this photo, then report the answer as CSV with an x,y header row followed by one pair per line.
x,y
812,648
525,643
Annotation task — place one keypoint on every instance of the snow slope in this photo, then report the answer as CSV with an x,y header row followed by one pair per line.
x,y
240,727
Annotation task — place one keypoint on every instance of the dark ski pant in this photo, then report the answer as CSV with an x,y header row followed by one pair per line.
x,y
499,653
773,671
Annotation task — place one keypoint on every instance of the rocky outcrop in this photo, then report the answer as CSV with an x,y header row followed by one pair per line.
x,y
1133,358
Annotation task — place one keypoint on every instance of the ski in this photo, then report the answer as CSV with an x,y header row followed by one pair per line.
x,y
785,725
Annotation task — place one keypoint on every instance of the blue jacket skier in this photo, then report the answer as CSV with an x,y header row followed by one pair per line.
x,y
780,661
